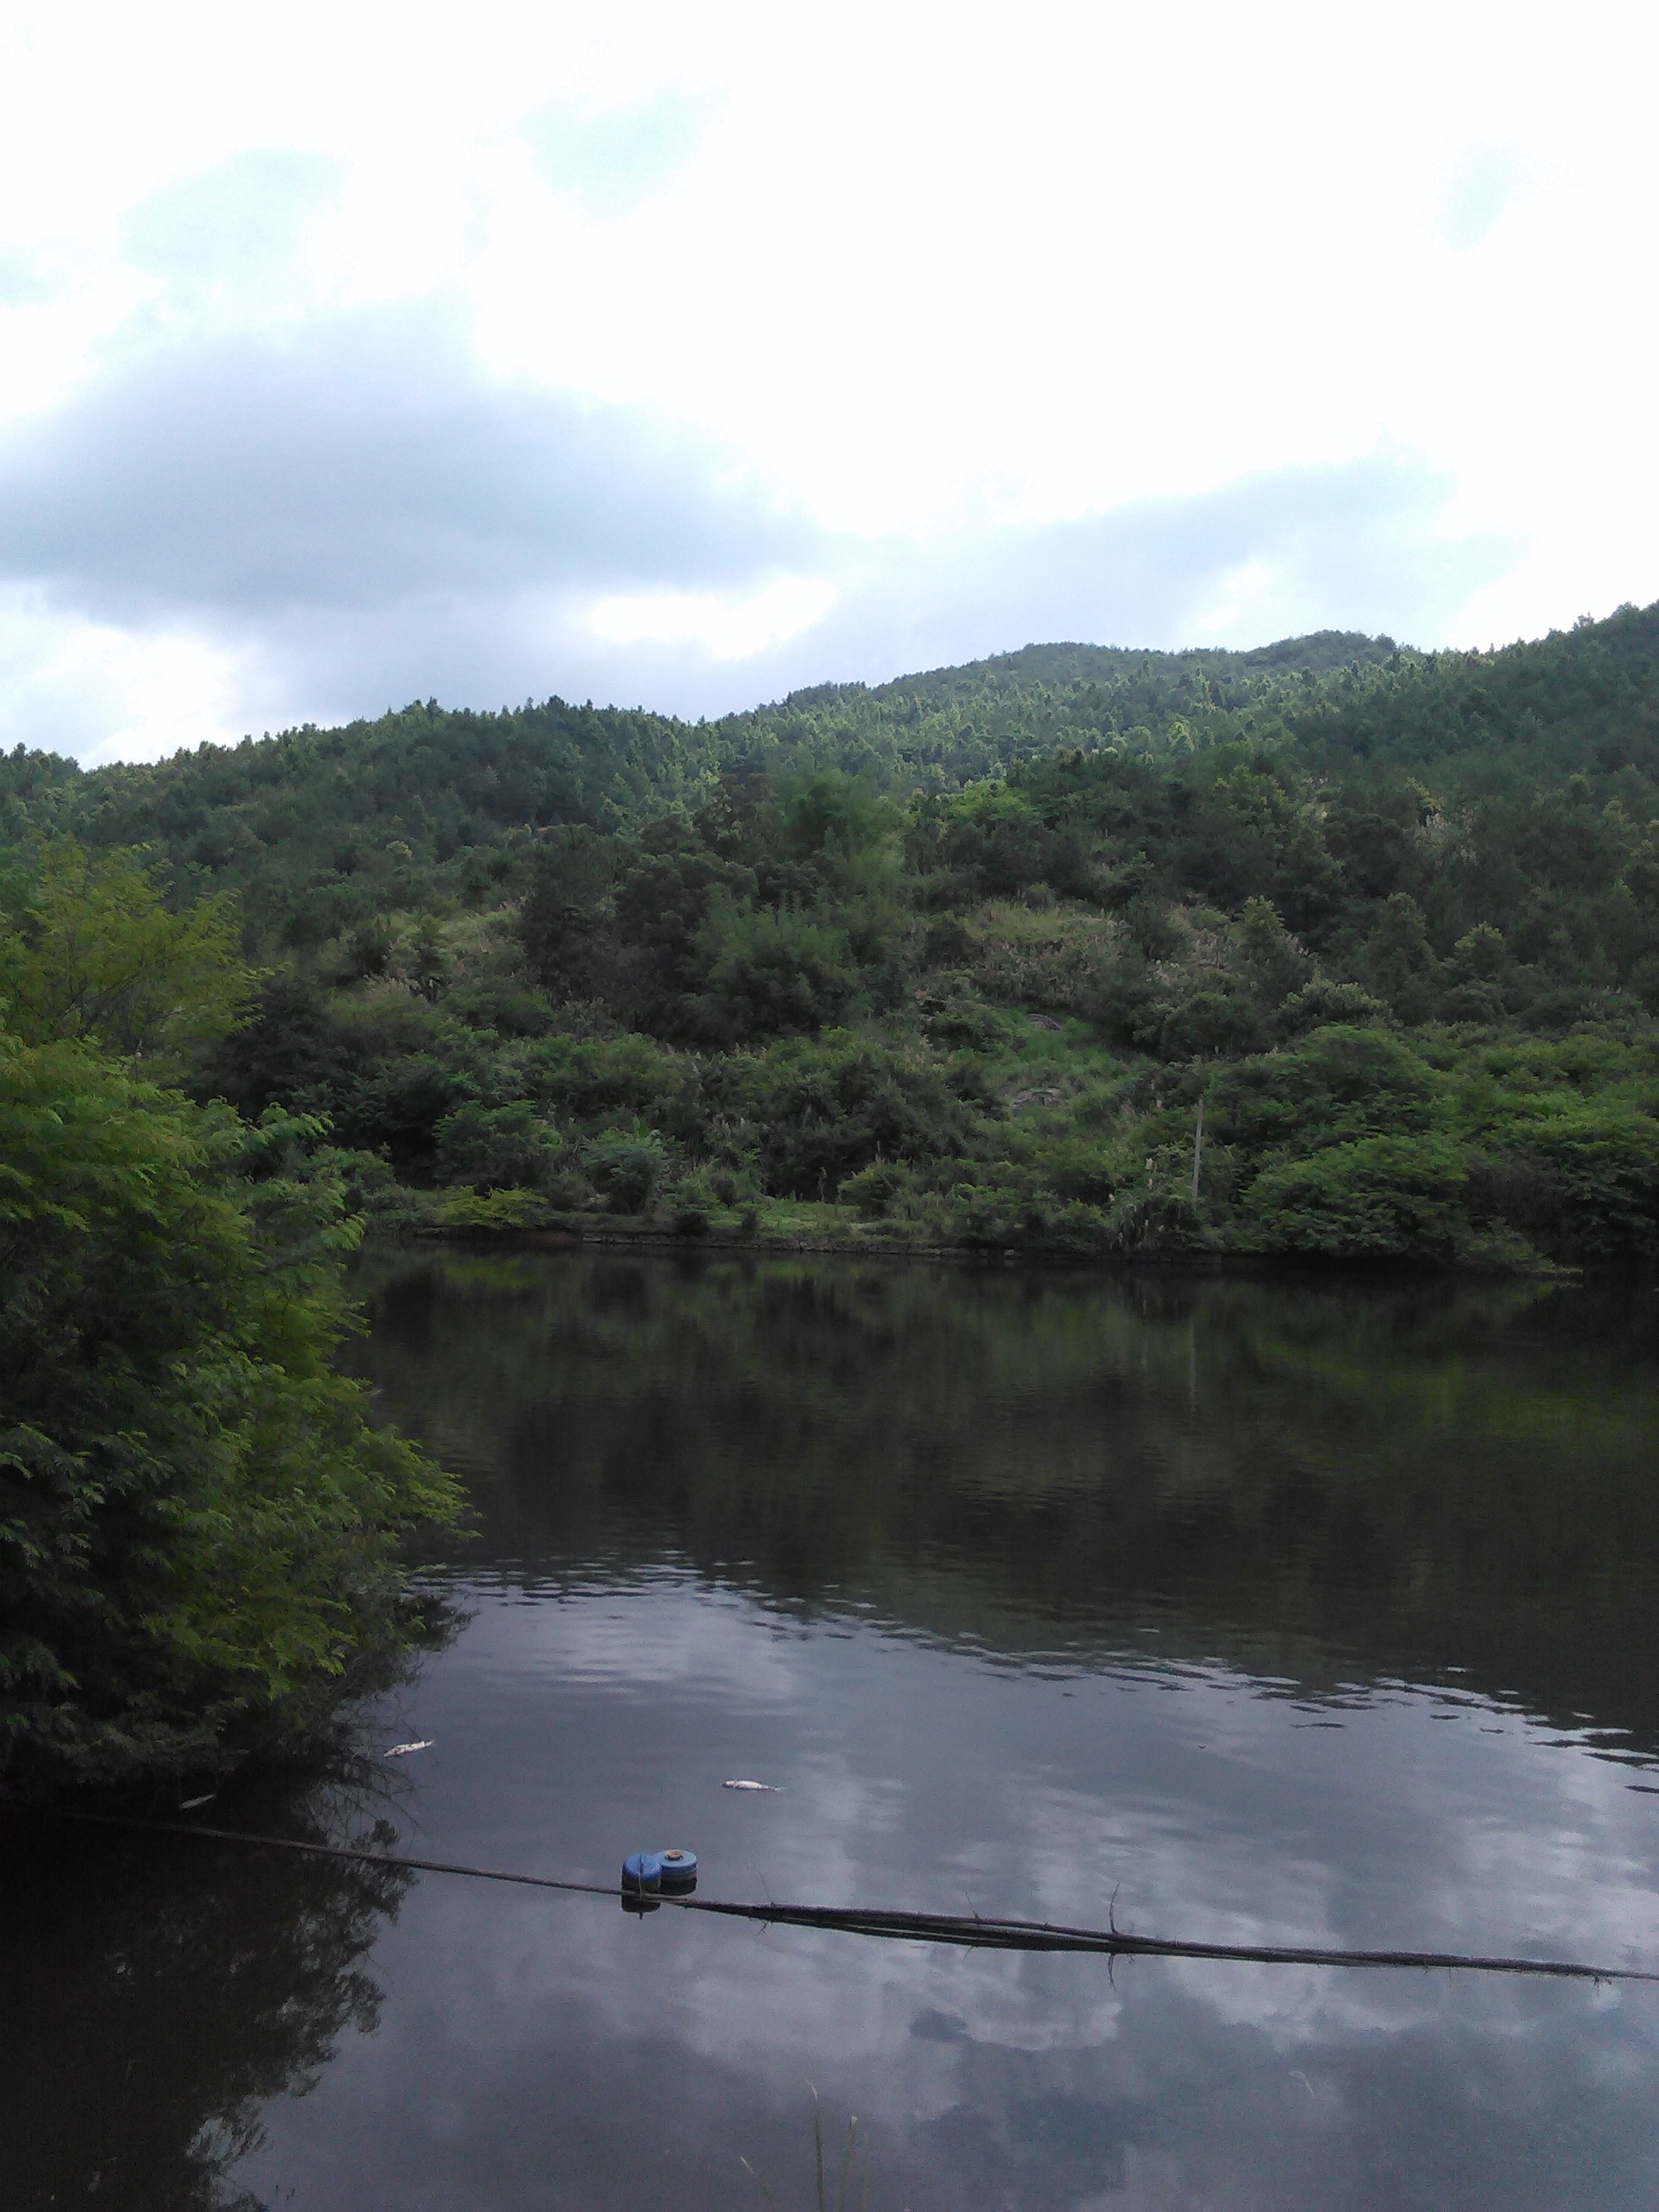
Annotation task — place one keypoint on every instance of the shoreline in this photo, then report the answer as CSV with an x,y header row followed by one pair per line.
x,y
570,1232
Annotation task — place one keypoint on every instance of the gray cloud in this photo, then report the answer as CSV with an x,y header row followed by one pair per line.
x,y
360,465
1351,547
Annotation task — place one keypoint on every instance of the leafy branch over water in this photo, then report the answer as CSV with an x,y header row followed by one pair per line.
x,y
197,1521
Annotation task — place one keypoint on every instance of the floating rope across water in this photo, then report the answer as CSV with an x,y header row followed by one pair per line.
x,y
968,1929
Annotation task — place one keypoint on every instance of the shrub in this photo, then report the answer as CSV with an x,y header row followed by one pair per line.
x,y
1586,1174
1020,1211
491,1209
496,1147
691,1203
1322,1002
1382,1198
826,1107
1339,1084
626,1167
504,1008
874,1191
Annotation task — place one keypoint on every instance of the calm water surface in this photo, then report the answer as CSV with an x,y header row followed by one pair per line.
x,y
1281,1613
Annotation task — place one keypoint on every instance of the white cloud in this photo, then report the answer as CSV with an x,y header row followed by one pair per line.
x,y
105,693
724,628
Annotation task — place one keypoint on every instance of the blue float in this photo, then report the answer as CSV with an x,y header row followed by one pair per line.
x,y
642,1874
678,1871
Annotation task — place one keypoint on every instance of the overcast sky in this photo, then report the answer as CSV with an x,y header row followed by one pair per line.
x,y
352,354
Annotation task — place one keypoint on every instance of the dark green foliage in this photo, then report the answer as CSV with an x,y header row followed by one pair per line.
x,y
197,1520
627,1166
497,1147
1343,1084
289,1049
780,972
1386,1197
1354,1143
194,1514
822,1109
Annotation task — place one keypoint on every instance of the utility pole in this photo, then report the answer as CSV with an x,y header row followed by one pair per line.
x,y
1198,1146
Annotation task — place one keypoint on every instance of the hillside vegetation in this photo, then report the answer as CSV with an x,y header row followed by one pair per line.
x,y
958,957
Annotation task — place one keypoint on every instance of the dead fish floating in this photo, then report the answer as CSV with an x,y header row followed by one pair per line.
x,y
771,1788
402,1750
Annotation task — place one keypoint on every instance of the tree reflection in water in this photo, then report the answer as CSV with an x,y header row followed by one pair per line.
x,y
159,1989
1323,1480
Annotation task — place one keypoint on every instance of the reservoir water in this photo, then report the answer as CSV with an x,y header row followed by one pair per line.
x,y
1319,1611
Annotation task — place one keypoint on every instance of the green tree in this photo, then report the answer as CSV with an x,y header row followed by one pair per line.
x,y
197,1518
627,1167
498,1147
780,971
93,953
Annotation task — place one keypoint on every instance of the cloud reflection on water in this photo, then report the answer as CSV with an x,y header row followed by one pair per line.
x,y
516,2030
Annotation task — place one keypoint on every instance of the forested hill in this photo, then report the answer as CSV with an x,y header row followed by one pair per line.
x,y
1062,665
959,955
287,818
